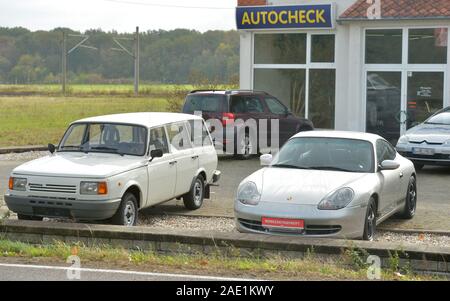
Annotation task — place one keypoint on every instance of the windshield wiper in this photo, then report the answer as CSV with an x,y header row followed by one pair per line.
x,y
106,148
436,123
330,168
290,166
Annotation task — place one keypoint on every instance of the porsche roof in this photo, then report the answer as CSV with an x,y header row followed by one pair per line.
x,y
340,134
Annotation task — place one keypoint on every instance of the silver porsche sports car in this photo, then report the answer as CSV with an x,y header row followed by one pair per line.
x,y
327,184
429,142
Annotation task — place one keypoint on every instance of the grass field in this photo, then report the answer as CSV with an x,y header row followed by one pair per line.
x,y
39,114
38,120
96,90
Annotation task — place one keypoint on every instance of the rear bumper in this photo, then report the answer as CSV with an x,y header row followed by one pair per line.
x,y
89,210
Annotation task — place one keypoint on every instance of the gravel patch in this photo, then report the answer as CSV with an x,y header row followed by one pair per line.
x,y
186,222
27,156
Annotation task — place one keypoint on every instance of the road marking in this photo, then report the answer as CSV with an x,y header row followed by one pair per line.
x,y
124,272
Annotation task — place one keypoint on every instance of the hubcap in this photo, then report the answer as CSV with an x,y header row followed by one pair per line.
x,y
129,214
371,223
246,146
412,196
198,192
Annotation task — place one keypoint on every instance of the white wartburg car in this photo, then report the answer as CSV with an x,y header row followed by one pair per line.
x,y
109,167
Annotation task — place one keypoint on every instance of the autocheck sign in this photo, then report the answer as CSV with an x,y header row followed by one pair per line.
x,y
291,16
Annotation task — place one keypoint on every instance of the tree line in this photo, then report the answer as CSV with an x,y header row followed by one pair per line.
x,y
173,57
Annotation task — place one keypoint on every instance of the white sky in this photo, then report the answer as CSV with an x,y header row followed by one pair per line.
x,y
121,15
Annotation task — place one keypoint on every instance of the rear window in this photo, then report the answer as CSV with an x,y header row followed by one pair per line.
x,y
203,103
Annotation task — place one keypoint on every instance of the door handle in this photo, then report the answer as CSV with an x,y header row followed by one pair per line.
x,y
194,157
401,175
173,162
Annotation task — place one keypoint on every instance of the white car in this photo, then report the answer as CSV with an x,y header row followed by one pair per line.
x,y
109,167
327,184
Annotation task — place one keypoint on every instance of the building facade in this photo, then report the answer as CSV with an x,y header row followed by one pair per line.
x,y
379,66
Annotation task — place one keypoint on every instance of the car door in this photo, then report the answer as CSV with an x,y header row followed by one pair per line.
x,y
185,159
203,146
161,173
247,108
390,180
287,122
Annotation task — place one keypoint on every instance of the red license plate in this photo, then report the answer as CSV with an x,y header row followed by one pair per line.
x,y
283,223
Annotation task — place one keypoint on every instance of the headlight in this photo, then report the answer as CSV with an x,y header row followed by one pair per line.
x,y
19,184
93,188
248,194
403,140
337,200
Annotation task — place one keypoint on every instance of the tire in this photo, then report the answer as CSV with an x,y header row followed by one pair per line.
x,y
24,217
127,214
370,222
193,200
418,166
244,147
410,201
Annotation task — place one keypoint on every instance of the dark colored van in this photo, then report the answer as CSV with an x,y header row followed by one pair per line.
x,y
235,109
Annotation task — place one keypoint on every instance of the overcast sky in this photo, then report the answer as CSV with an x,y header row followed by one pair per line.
x,y
121,15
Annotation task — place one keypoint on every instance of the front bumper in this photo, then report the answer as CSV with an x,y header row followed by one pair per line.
x,y
344,223
440,156
47,207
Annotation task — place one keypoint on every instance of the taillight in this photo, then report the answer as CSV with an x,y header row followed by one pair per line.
x,y
227,118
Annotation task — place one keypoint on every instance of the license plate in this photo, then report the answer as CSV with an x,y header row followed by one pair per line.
x,y
423,151
283,223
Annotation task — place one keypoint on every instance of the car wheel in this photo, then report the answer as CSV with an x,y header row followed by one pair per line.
x,y
370,224
411,200
24,217
418,166
245,147
193,200
127,214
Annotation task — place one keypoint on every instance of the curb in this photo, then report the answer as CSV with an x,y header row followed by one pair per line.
x,y
22,149
415,231
420,258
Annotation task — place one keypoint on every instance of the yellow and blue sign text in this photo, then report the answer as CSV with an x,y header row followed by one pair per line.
x,y
273,17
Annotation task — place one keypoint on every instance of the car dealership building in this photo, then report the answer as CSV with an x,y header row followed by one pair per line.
x,y
378,66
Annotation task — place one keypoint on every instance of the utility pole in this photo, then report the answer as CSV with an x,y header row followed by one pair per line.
x,y
64,63
65,54
133,53
136,62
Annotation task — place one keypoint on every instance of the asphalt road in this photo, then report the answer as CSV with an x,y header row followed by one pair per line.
x,y
433,191
25,272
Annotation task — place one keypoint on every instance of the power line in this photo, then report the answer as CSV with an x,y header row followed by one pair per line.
x,y
169,5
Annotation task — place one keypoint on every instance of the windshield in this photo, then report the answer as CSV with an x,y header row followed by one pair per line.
x,y
326,154
441,118
105,138
203,103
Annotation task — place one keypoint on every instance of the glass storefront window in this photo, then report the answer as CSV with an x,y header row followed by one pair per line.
x,y
280,48
288,85
322,48
384,104
428,46
384,46
322,87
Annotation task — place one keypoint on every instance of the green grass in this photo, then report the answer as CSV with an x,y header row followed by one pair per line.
x,y
276,267
38,120
97,90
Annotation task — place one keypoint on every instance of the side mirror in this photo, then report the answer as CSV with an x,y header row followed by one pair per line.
x,y
181,143
51,148
212,129
266,159
389,165
156,153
